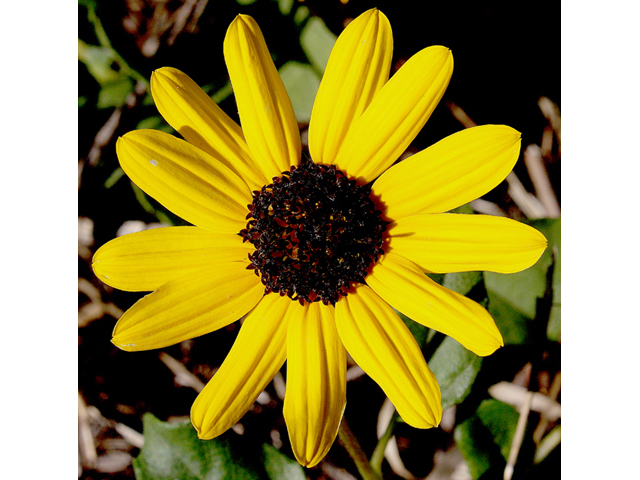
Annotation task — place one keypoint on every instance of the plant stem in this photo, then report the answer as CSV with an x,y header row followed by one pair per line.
x,y
92,16
378,454
350,443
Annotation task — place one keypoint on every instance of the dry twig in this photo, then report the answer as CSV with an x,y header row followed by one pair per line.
x,y
516,395
86,445
391,451
518,436
182,375
190,9
133,437
96,308
528,203
354,372
106,132
540,179
334,472
460,115
552,113
487,207
279,385
554,391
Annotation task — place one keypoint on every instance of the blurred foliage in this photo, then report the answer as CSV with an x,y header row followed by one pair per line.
x,y
485,438
173,451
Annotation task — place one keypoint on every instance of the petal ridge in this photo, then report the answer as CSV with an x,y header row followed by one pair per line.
x,y
266,113
384,347
358,67
185,179
145,260
396,114
457,169
406,288
189,306
255,357
449,242
316,382
193,114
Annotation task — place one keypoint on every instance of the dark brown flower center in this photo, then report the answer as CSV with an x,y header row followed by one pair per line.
x,y
316,233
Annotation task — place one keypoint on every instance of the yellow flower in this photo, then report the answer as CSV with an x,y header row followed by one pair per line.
x,y
317,255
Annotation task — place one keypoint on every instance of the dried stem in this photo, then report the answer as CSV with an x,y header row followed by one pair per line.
x,y
87,446
518,436
182,374
540,179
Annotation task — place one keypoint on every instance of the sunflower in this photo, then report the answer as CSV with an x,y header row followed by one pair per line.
x,y
316,255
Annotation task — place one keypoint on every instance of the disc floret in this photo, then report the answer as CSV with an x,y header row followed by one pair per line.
x,y
316,233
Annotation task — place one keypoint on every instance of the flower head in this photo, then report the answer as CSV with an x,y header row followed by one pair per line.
x,y
316,253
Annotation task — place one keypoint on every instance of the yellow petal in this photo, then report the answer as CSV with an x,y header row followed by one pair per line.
x,y
266,114
145,260
396,114
256,356
403,285
357,69
185,179
446,242
383,346
316,382
202,123
450,173
189,306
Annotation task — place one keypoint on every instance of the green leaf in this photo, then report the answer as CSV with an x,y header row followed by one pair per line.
x,y
485,438
301,82
550,442
553,329
300,15
285,6
115,94
116,175
223,93
279,466
419,332
99,62
146,204
317,41
456,368
518,290
503,295
173,450
462,282
437,277
465,209
551,228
